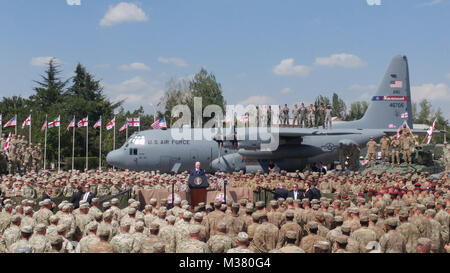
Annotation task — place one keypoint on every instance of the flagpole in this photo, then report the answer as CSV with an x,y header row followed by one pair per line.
x,y
126,134
114,139
139,123
73,143
87,143
100,148
59,144
45,141
15,127
29,133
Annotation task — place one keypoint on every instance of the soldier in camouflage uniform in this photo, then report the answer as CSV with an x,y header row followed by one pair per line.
x,y
124,242
393,241
395,144
193,245
221,237
25,234
266,234
36,157
148,244
102,246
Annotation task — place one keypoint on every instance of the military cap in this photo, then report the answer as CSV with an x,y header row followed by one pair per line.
x,y
431,212
8,206
421,207
243,202
346,227
256,216
98,216
61,228
201,204
338,219
364,218
221,225
424,241
217,203
54,219
103,232
187,215
198,216
316,206
92,226
290,234
171,219
342,239
403,213
56,240
373,217
235,205
27,210
185,207
26,229
194,229
242,237
260,204
15,218
125,224
148,207
84,206
273,202
313,225
223,207
290,200
47,202
392,222
305,201
40,227
131,211
131,201
289,213
114,201
324,245
281,200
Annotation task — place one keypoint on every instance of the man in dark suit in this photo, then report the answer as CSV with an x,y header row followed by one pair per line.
x,y
308,191
47,194
295,193
320,169
87,195
197,171
76,197
281,192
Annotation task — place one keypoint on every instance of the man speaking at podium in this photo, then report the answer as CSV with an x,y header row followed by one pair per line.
x,y
197,171
198,183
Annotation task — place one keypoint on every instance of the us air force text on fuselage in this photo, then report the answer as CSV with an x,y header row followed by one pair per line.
x,y
225,263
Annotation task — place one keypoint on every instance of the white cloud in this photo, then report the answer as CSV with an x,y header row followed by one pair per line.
x,y
287,68
43,61
175,61
135,92
430,3
73,2
431,92
121,13
359,87
373,2
286,90
135,66
257,100
342,60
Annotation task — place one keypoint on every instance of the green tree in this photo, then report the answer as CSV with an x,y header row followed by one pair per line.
x,y
339,107
424,115
357,110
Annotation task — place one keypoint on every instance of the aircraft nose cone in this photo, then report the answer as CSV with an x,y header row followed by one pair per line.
x,y
112,158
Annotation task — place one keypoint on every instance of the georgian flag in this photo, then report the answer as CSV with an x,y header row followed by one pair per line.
x,y
71,124
12,122
430,132
7,144
55,123
405,115
44,125
98,123
26,122
84,122
134,122
1,119
124,127
111,124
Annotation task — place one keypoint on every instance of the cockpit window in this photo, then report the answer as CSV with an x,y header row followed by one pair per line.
x,y
137,140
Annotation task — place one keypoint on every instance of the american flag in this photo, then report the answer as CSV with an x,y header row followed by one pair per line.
x,y
430,132
7,144
12,122
160,124
55,123
405,115
124,127
396,84
71,124
98,123
111,124
134,122
26,122
44,125
84,122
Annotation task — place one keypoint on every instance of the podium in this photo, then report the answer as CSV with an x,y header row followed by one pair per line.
x,y
198,185
198,196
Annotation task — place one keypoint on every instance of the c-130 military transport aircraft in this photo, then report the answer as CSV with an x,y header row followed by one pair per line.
x,y
389,109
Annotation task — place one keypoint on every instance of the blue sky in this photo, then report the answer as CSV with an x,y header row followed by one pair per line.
x,y
261,51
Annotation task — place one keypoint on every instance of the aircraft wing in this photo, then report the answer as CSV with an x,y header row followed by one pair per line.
x,y
415,131
300,132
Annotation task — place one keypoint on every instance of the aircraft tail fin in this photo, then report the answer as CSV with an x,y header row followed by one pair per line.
x,y
391,106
